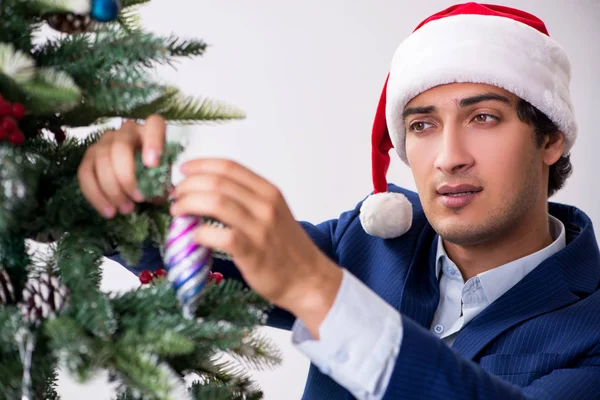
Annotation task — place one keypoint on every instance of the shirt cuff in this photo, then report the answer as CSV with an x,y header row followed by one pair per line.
x,y
359,340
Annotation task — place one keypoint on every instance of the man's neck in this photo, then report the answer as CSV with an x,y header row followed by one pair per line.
x,y
525,239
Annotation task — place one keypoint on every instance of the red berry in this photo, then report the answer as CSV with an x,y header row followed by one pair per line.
x,y
9,124
3,133
160,273
5,109
16,137
216,276
18,111
145,277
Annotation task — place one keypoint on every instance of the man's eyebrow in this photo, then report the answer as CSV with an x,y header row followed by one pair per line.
x,y
466,102
418,110
469,101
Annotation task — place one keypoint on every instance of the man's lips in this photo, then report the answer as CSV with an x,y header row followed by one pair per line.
x,y
454,190
458,196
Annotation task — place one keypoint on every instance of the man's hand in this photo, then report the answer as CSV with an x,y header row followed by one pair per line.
x,y
107,172
275,256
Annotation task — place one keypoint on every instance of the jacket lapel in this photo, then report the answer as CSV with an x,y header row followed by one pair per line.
x,y
541,291
421,293
558,281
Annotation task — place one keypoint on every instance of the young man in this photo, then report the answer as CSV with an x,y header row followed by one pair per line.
x,y
476,288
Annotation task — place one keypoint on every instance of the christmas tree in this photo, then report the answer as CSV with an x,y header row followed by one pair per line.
x,y
52,312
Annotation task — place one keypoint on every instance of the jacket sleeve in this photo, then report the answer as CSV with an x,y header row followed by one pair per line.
x,y
427,368
325,235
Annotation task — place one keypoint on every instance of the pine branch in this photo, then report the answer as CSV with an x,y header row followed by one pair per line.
x,y
18,190
218,303
16,64
155,182
162,340
15,260
178,108
129,20
18,24
116,94
185,48
148,375
162,311
186,110
51,388
11,90
48,92
256,352
80,272
65,52
131,232
241,389
130,3
82,357
224,380
43,365
110,48
85,115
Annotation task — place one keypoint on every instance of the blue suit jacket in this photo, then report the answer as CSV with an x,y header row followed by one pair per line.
x,y
540,340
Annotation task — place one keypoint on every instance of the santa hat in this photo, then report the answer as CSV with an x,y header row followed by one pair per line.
x,y
471,42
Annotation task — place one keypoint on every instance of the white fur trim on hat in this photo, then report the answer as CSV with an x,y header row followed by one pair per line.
x,y
481,49
386,215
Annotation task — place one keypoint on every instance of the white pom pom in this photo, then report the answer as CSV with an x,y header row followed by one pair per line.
x,y
386,215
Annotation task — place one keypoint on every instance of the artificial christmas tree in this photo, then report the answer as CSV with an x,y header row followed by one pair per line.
x,y
52,311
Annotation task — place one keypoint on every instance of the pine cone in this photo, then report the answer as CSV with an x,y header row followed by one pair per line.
x,y
7,292
43,298
70,23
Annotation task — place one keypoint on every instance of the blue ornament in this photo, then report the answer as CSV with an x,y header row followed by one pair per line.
x,y
105,10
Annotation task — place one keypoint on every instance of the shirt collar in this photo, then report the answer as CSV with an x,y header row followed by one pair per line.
x,y
499,280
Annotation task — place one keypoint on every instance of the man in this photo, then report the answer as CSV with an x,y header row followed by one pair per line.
x,y
477,287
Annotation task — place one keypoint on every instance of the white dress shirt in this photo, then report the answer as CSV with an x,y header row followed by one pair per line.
x,y
361,335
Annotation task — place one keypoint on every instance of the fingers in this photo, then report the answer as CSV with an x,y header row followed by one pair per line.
x,y
233,171
227,240
90,188
109,182
262,210
215,205
153,139
107,172
213,183
122,159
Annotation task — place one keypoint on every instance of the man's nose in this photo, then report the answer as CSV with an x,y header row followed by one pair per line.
x,y
453,155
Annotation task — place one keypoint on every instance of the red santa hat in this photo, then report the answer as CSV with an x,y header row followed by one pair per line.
x,y
475,43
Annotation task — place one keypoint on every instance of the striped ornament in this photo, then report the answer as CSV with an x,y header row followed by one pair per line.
x,y
187,263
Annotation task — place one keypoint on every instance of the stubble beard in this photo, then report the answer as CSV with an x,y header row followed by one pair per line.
x,y
509,213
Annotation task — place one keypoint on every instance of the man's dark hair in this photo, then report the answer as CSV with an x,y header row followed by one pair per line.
x,y
543,126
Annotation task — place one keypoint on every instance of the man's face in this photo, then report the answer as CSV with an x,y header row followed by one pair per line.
x,y
477,169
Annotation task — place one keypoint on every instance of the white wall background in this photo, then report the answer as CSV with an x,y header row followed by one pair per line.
x,y
309,76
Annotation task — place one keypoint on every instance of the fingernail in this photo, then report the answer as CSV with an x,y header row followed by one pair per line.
x,y
151,158
109,212
138,196
126,208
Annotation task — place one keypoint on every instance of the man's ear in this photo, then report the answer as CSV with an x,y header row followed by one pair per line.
x,y
554,147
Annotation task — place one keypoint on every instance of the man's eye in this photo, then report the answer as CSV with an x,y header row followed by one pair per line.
x,y
483,118
419,126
